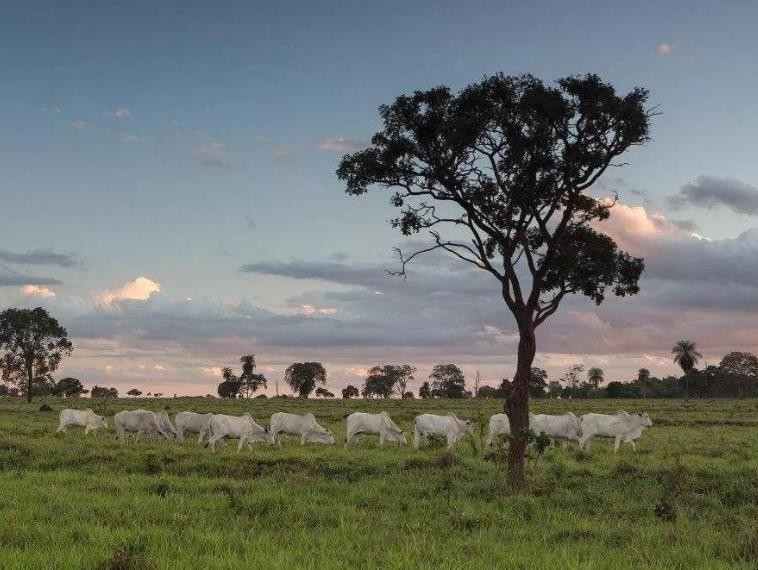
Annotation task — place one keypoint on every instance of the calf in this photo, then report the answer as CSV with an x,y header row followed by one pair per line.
x,y
87,419
360,423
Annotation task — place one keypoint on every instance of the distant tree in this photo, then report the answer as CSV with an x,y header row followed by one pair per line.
x,y
741,368
302,377
425,392
570,379
487,392
686,356
250,381
614,390
403,374
554,389
537,383
70,388
506,164
448,381
643,380
134,392
323,393
103,392
408,395
32,344
158,394
595,377
230,386
350,391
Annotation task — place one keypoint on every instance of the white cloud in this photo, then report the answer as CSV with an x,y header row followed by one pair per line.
x,y
138,290
79,124
664,49
211,371
311,310
122,113
131,138
37,291
340,144
212,154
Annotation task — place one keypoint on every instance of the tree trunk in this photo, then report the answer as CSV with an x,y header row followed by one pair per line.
x,y
517,406
29,381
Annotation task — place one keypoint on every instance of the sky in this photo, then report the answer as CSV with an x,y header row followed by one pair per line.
x,y
169,192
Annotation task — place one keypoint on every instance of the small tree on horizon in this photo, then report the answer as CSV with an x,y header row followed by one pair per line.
x,y
134,392
686,355
425,391
350,391
70,388
595,376
506,165
448,381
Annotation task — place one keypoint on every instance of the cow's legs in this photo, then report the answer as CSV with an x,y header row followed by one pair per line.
x,y
634,446
381,440
349,437
616,444
86,429
212,441
200,437
303,438
180,434
416,437
243,439
61,428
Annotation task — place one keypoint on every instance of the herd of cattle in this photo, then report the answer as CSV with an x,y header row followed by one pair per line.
x,y
215,428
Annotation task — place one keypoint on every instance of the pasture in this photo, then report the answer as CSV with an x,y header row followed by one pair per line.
x,y
687,499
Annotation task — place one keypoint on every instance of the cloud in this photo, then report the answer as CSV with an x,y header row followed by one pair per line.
x,y
281,153
121,113
50,109
44,256
131,138
12,278
138,290
212,154
712,192
37,291
79,124
664,49
340,145
250,222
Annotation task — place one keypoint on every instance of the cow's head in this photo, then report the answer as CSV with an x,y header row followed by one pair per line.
x,y
396,437
324,437
644,419
101,422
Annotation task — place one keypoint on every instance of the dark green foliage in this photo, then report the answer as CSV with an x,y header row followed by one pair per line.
x,y
425,391
33,344
302,377
350,391
69,387
537,383
447,381
103,392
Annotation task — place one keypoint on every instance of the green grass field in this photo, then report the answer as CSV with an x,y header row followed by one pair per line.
x,y
687,499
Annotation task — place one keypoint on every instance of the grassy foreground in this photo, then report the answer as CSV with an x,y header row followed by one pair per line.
x,y
687,499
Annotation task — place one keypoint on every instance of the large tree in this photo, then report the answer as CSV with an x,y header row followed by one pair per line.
x,y
33,344
70,388
382,381
741,368
302,377
595,376
505,166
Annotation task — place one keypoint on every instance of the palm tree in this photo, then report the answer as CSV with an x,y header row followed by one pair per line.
x,y
595,376
686,356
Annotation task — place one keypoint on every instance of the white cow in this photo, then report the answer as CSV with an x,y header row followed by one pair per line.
x,y
87,419
143,423
374,424
449,427
564,427
241,427
621,427
193,423
303,425
499,425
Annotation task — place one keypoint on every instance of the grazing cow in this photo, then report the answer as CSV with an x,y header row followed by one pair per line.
x,y
193,423
360,423
87,419
241,427
449,427
620,426
564,427
303,425
499,425
143,423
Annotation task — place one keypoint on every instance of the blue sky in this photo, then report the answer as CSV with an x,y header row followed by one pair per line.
x,y
179,141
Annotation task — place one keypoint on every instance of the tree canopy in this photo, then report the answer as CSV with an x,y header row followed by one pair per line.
x,y
70,388
497,176
302,377
448,381
350,391
33,344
